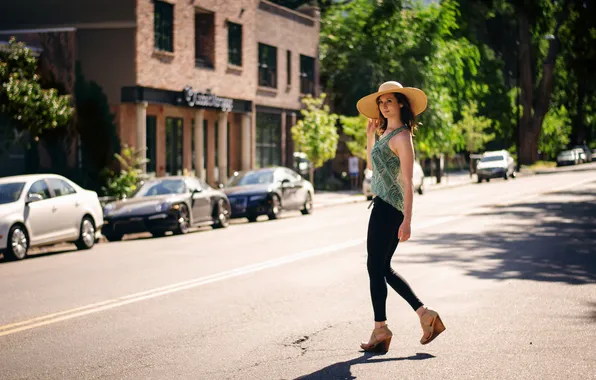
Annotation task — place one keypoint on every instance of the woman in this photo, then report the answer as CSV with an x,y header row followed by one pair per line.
x,y
391,112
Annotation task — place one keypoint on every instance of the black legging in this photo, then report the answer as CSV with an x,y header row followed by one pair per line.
x,y
381,244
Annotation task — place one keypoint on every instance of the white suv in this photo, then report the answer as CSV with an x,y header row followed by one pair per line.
x,y
498,164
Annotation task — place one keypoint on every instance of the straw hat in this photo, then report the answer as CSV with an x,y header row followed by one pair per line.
x,y
369,108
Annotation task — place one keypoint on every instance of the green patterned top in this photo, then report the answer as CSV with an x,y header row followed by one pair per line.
x,y
386,180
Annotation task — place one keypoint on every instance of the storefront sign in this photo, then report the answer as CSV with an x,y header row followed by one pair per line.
x,y
197,99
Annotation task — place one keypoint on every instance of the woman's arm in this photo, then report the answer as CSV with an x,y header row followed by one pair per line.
x,y
402,145
371,128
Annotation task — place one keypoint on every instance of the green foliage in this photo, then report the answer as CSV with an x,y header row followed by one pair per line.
x,y
355,127
22,98
366,43
556,129
474,128
316,134
124,183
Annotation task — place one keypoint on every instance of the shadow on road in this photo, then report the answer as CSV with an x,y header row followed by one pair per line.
x,y
544,241
342,370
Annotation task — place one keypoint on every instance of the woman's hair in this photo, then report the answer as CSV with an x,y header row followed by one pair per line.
x,y
407,116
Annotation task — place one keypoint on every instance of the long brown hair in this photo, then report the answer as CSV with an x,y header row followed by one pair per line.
x,y
407,116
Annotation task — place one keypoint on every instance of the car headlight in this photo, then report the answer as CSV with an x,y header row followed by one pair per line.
x,y
162,207
107,209
256,197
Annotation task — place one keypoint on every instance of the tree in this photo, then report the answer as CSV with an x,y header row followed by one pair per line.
x,y
555,132
316,134
355,127
473,129
30,107
96,128
125,182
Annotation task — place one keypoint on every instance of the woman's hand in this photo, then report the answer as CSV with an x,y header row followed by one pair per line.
x,y
371,128
404,232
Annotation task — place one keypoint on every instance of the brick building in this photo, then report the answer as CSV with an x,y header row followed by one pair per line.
x,y
208,86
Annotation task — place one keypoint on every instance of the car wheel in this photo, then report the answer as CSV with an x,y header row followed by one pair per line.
x,y
307,208
183,221
17,243
252,218
479,179
369,197
275,208
513,175
488,180
506,176
86,234
113,236
421,189
222,214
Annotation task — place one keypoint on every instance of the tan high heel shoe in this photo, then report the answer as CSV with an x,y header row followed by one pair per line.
x,y
379,341
432,326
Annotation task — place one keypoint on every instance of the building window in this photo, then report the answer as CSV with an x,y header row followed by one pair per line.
x,y
307,75
193,147
174,145
151,143
268,140
267,66
234,44
205,39
289,67
163,26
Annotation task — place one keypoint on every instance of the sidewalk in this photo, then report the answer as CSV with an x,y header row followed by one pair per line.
x,y
332,198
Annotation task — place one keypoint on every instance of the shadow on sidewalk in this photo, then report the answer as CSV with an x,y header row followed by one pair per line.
x,y
559,245
342,370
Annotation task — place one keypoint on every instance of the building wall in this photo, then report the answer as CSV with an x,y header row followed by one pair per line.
x,y
286,34
174,71
107,56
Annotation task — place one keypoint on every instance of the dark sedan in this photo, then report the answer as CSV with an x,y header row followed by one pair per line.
x,y
268,192
167,204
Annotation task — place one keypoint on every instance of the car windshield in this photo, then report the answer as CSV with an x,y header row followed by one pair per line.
x,y
161,187
492,158
10,192
251,178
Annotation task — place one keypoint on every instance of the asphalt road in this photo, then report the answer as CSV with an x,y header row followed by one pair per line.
x,y
510,265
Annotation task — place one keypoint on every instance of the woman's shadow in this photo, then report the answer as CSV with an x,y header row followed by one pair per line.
x,y
341,370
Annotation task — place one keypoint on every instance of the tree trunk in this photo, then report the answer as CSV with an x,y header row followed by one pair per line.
x,y
531,123
578,133
311,174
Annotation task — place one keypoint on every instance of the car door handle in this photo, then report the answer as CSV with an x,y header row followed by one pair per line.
x,y
76,204
54,209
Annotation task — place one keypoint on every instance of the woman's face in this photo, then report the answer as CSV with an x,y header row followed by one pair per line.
x,y
388,105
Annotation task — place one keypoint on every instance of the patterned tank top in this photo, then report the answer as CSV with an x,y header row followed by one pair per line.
x,y
386,179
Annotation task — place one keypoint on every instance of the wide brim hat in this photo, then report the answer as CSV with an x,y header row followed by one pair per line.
x,y
368,105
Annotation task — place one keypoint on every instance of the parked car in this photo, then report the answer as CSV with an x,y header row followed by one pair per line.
x,y
268,192
587,153
165,204
417,180
301,164
46,209
497,164
568,157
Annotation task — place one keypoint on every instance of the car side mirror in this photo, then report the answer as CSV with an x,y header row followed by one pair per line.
x,y
33,198
220,186
285,183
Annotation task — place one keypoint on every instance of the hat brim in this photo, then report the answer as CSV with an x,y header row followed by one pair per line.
x,y
369,108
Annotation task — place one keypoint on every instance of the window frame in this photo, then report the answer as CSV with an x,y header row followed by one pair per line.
x,y
304,76
267,76
231,52
160,26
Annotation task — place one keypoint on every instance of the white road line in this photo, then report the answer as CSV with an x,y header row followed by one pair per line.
x,y
200,281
